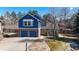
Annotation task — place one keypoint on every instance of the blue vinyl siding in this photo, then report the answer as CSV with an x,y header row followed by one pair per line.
x,y
35,22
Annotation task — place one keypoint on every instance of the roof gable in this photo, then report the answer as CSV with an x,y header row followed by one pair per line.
x,y
27,17
33,16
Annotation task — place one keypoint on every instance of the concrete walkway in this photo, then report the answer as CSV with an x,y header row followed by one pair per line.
x,y
16,44
62,36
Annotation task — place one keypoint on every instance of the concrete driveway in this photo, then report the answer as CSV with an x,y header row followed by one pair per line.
x,y
37,45
12,44
16,44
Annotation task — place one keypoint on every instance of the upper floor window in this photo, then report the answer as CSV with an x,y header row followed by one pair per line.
x,y
28,22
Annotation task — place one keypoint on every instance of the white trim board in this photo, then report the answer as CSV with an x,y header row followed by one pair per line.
x,y
28,28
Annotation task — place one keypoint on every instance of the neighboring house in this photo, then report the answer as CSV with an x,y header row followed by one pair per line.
x,y
48,28
10,28
64,26
29,26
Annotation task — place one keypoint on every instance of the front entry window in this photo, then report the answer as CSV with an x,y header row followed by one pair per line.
x,y
28,22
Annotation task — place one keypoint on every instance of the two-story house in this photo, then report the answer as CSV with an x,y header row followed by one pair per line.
x,y
29,26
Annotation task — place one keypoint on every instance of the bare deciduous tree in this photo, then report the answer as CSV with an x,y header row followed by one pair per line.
x,y
54,23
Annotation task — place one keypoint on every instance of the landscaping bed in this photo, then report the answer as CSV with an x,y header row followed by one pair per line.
x,y
56,45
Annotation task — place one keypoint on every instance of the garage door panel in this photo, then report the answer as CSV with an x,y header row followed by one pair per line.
x,y
24,33
33,34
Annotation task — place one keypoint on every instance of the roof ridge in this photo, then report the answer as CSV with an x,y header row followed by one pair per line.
x,y
34,17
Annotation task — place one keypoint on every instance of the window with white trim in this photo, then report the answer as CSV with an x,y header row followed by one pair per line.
x,y
28,22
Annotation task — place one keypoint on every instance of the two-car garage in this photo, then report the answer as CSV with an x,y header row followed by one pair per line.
x,y
28,33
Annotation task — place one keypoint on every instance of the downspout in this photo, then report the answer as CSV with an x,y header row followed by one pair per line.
x,y
39,29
